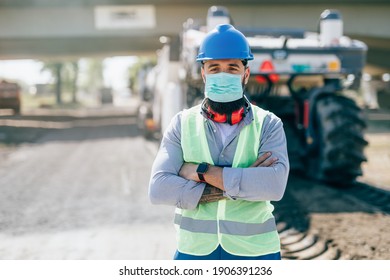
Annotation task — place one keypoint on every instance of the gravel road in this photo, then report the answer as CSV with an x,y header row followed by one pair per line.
x,y
80,192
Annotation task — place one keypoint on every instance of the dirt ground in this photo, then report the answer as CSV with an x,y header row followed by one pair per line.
x,y
376,169
354,227
359,231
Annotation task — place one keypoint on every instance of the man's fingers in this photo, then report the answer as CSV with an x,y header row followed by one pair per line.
x,y
261,159
268,162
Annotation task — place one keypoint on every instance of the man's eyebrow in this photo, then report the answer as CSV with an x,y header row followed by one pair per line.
x,y
213,65
218,65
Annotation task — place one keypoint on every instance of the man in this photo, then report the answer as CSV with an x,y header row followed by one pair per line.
x,y
215,165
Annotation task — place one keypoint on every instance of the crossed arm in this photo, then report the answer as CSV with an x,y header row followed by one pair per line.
x,y
214,175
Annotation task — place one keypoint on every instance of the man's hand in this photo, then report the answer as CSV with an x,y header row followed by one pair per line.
x,y
211,194
264,160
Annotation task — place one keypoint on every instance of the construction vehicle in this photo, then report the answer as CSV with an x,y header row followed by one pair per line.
x,y
302,77
10,96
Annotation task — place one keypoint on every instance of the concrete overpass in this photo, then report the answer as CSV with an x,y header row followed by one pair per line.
x,y
78,28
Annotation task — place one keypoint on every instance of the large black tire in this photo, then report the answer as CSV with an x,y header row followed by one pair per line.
x,y
339,142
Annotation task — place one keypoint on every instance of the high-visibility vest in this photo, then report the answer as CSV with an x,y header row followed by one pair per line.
x,y
244,228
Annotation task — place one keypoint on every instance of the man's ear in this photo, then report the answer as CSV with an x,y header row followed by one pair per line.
x,y
246,75
203,75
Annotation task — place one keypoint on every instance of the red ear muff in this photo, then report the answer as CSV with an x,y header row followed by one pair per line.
x,y
217,117
237,116
234,118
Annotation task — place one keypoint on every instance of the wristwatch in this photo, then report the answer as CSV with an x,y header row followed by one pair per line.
x,y
201,170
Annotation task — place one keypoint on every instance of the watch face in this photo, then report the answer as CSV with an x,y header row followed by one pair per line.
x,y
202,168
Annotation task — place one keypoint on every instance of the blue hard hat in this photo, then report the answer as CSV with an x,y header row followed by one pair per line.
x,y
224,42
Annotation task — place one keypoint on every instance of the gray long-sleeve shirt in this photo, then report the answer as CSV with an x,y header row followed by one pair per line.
x,y
252,183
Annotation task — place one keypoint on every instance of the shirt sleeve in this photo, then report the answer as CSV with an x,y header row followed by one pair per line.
x,y
262,183
166,186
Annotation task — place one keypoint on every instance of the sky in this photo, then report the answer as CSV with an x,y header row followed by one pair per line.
x,y
26,70
115,71
30,72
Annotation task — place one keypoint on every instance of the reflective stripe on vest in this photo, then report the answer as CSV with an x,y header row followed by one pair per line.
x,y
241,227
227,227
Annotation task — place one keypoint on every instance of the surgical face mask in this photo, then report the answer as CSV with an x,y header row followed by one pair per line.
x,y
223,87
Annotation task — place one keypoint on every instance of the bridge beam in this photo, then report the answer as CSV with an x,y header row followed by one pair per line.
x,y
50,31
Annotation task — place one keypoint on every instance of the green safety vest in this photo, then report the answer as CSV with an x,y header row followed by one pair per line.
x,y
244,228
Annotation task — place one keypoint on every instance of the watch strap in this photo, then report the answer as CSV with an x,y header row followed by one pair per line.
x,y
201,177
201,170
